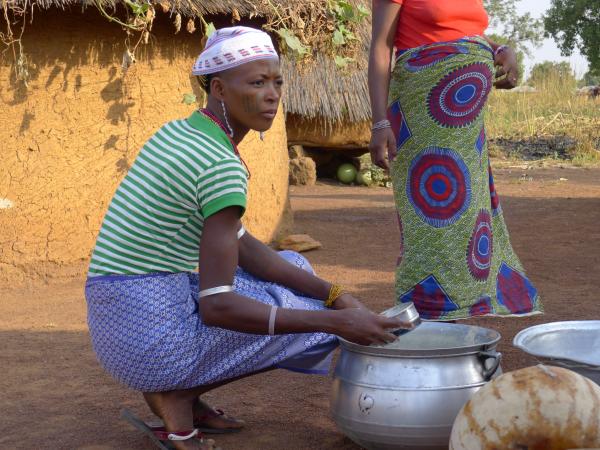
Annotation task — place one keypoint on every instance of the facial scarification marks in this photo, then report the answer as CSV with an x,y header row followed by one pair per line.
x,y
250,104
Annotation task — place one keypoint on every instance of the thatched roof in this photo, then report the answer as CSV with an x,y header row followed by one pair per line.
x,y
317,89
186,8
324,91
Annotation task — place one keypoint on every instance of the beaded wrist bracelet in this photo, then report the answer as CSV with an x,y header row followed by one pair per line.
x,y
334,292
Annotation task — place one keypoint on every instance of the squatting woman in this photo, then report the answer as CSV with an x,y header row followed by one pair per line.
x,y
181,299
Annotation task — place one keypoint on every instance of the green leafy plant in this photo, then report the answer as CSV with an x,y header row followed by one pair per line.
x,y
138,9
342,35
574,24
345,15
189,98
342,61
517,30
301,37
293,43
372,175
345,12
140,15
209,28
556,72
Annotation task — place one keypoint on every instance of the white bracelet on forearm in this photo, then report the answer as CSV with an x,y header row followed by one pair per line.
x,y
215,290
241,232
272,316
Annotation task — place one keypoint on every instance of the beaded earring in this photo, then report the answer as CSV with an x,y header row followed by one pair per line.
x,y
226,119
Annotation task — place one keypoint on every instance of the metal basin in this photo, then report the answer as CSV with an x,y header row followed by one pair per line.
x,y
574,345
406,395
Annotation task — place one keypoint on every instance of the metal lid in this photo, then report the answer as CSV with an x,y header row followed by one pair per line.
x,y
433,339
577,341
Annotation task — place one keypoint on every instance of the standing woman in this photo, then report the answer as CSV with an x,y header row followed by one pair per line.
x,y
456,260
162,327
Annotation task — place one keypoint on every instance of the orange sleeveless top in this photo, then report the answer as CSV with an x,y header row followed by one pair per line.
x,y
427,21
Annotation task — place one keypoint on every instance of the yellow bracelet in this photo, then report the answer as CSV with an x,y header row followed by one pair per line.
x,y
334,292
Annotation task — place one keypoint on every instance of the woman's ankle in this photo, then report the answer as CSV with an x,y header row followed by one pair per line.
x,y
173,407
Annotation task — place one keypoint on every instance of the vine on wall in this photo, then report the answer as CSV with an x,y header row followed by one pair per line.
x,y
137,24
324,26
138,21
15,16
328,26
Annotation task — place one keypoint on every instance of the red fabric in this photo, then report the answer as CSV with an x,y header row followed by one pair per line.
x,y
427,21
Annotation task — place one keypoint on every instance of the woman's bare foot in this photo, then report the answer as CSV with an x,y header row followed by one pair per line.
x,y
213,420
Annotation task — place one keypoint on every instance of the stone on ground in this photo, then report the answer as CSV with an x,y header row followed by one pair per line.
x,y
303,171
299,243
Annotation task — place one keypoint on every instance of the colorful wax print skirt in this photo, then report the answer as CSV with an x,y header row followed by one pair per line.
x,y
456,260
147,332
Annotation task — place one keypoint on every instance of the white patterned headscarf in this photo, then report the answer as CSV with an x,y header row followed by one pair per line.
x,y
232,47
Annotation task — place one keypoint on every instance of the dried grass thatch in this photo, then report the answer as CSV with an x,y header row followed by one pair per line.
x,y
322,90
188,8
317,89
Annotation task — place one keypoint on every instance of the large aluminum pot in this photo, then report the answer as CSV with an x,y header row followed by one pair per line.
x,y
406,395
574,345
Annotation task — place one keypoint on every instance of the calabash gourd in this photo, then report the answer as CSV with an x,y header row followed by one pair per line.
x,y
346,173
536,408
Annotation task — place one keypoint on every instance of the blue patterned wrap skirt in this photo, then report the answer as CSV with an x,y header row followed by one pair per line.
x,y
147,331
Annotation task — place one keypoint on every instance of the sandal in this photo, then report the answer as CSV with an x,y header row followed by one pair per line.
x,y
210,414
159,435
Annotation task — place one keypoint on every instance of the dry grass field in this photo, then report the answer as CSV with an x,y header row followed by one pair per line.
x,y
553,124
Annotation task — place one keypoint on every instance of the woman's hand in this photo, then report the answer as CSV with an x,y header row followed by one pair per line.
x,y
365,327
506,63
346,301
383,147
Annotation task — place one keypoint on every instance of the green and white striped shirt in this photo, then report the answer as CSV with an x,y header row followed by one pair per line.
x,y
187,171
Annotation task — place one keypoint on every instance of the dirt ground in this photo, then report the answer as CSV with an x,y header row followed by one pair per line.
x,y
53,393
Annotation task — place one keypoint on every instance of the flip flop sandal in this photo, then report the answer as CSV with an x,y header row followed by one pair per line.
x,y
158,435
211,430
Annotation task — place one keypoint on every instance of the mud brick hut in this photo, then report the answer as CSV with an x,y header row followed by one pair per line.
x,y
73,119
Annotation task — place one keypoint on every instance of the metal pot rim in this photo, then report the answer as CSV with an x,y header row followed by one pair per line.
x,y
523,340
493,337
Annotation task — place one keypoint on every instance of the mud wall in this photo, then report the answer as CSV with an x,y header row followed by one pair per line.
x,y
312,133
71,135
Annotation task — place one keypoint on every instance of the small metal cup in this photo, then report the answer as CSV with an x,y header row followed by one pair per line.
x,y
405,312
